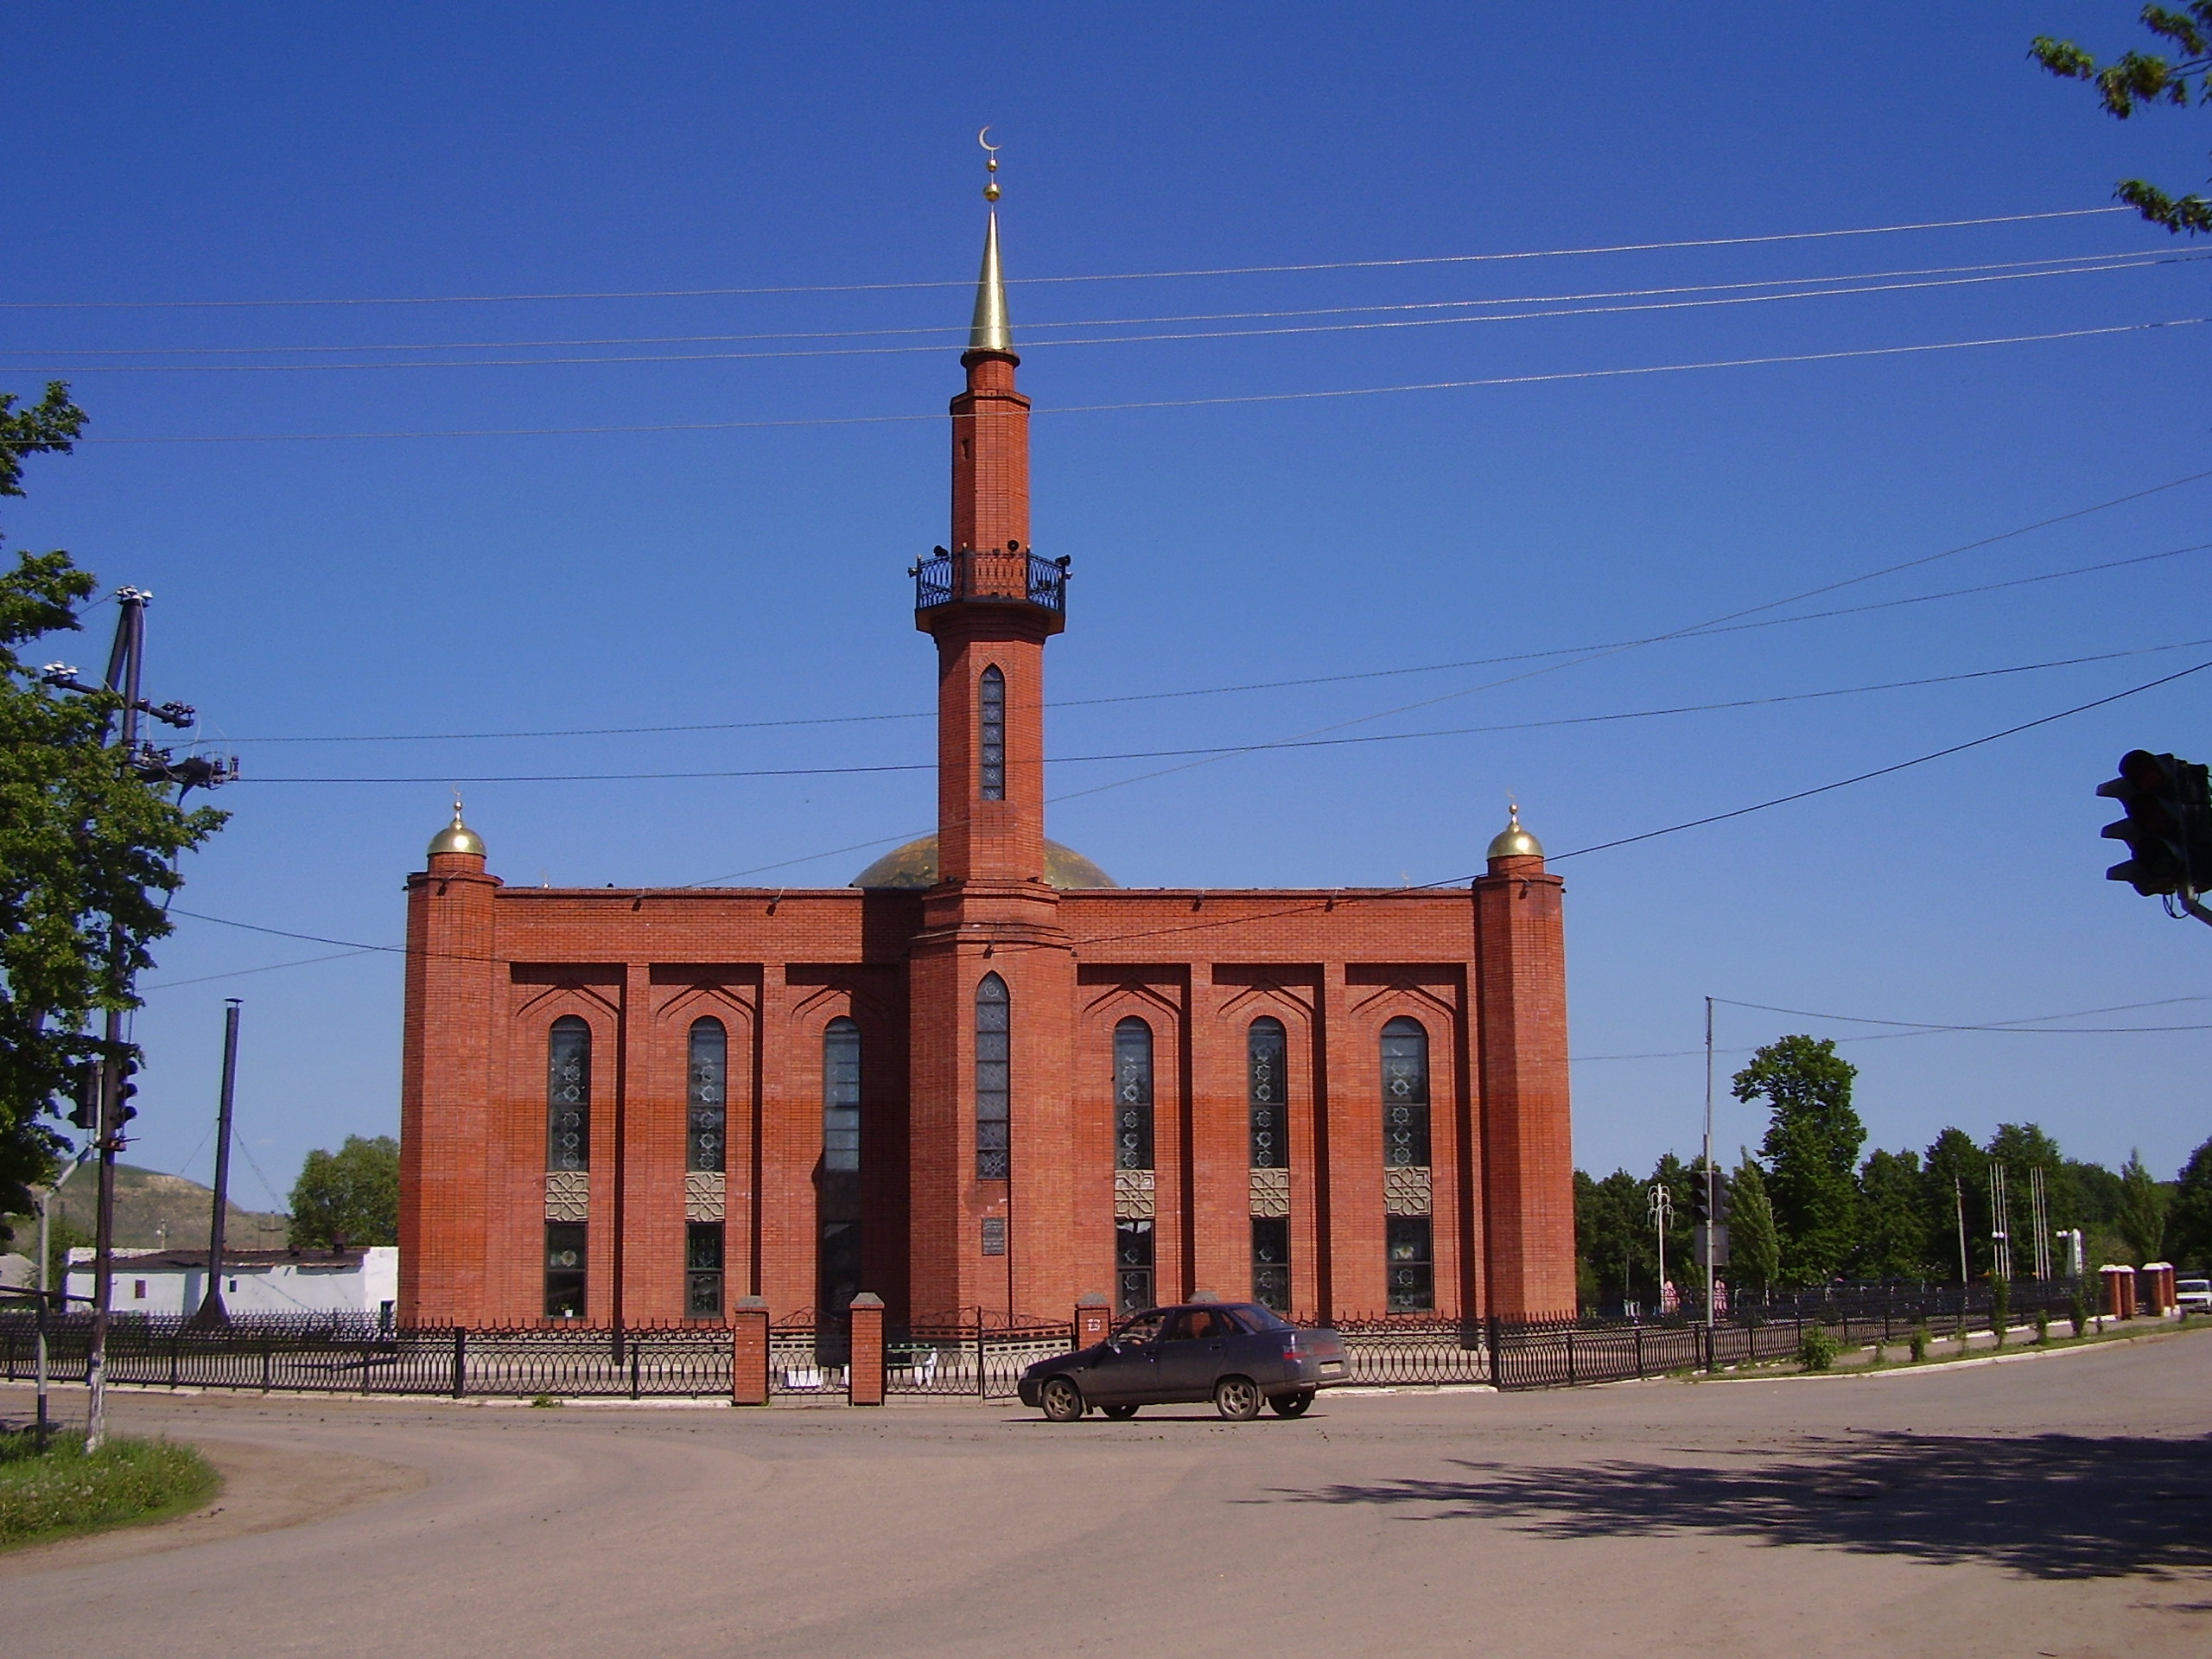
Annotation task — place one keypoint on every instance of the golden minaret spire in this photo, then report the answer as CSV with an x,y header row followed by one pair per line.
x,y
990,331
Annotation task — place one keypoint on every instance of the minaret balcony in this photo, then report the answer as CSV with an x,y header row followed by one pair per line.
x,y
1011,577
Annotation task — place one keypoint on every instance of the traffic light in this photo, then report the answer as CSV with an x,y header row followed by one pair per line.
x,y
1699,1213
123,1111
2168,828
1722,1198
85,1113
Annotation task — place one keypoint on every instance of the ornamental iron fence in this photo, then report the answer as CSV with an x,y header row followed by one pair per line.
x,y
969,1353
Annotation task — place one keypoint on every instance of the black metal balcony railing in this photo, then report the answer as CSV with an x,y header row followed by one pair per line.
x,y
992,578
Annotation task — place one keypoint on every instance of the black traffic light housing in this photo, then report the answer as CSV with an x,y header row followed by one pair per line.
x,y
1699,1213
1722,1197
2168,828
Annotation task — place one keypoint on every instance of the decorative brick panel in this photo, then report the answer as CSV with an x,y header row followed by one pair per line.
x,y
702,1195
1406,1192
1270,1192
568,1195
1135,1195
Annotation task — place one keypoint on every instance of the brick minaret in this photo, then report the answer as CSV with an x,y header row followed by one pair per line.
x,y
445,1130
1528,1149
983,1237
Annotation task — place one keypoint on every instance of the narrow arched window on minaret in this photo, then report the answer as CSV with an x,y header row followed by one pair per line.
x,y
991,762
993,1032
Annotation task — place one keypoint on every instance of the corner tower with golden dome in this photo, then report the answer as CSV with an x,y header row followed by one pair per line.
x,y
983,1077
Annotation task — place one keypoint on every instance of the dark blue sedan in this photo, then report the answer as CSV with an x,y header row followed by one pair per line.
x,y
1236,1354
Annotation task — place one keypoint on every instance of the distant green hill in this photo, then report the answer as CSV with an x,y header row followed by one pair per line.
x,y
152,1210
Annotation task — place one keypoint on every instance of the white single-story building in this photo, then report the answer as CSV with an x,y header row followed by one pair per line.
x,y
361,1280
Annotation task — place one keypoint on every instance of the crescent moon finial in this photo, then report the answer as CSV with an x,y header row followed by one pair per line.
x,y
991,166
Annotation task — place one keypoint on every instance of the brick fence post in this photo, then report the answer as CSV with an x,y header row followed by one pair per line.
x,y
748,1356
1093,1315
866,1386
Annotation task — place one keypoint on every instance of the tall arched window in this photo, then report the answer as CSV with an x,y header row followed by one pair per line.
x,y
841,1096
707,1148
1405,1095
567,1095
1267,1093
838,1257
1267,1098
991,759
568,1148
993,1032
1132,1095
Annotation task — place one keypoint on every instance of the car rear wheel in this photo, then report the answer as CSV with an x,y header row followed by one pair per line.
x,y
1236,1398
1062,1401
1291,1405
1120,1414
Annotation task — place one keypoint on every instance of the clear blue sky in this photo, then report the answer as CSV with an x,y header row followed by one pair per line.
x,y
348,587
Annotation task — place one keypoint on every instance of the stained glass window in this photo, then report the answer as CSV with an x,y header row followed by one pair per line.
x,y
567,1095
702,1270
993,758
1405,1095
709,1095
841,1265
565,1269
1271,1261
994,1034
1408,1244
841,1096
1268,1093
1132,1266
1132,1095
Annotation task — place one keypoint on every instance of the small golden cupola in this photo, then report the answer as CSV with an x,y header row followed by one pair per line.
x,y
456,837
1512,842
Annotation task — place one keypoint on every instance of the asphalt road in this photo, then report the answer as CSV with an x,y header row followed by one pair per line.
x,y
2059,1505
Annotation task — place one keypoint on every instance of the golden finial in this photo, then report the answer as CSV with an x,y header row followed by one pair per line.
x,y
991,166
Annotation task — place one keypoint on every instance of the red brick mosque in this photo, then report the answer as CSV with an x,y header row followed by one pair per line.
x,y
983,1076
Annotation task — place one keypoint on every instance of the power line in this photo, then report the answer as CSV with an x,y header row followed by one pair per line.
x,y
1275,685
1330,900
1915,1029
2132,258
1882,772
1117,276
1549,377
1254,748
1104,340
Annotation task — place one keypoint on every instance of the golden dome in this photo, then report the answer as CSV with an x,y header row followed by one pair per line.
x,y
456,837
914,866
1513,841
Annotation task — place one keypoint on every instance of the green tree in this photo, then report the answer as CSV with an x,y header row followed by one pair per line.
x,y
348,1197
1811,1149
1956,1182
2142,1211
1754,1252
2188,1219
88,849
1892,1217
2138,80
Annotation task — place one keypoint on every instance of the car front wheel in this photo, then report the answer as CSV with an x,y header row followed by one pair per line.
x,y
1291,1405
1062,1401
1236,1398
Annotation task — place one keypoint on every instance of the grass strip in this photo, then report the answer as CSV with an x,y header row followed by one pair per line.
x,y
62,1491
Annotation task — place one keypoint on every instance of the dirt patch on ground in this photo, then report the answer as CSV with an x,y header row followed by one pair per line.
x,y
264,1488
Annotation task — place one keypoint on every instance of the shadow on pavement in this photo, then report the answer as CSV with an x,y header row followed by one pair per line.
x,y
2048,1506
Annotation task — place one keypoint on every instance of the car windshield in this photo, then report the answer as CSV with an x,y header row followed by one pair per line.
x,y
2194,1284
1143,1328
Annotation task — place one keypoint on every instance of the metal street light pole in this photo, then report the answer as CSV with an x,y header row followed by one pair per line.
x,y
45,1288
1710,1208
212,1310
